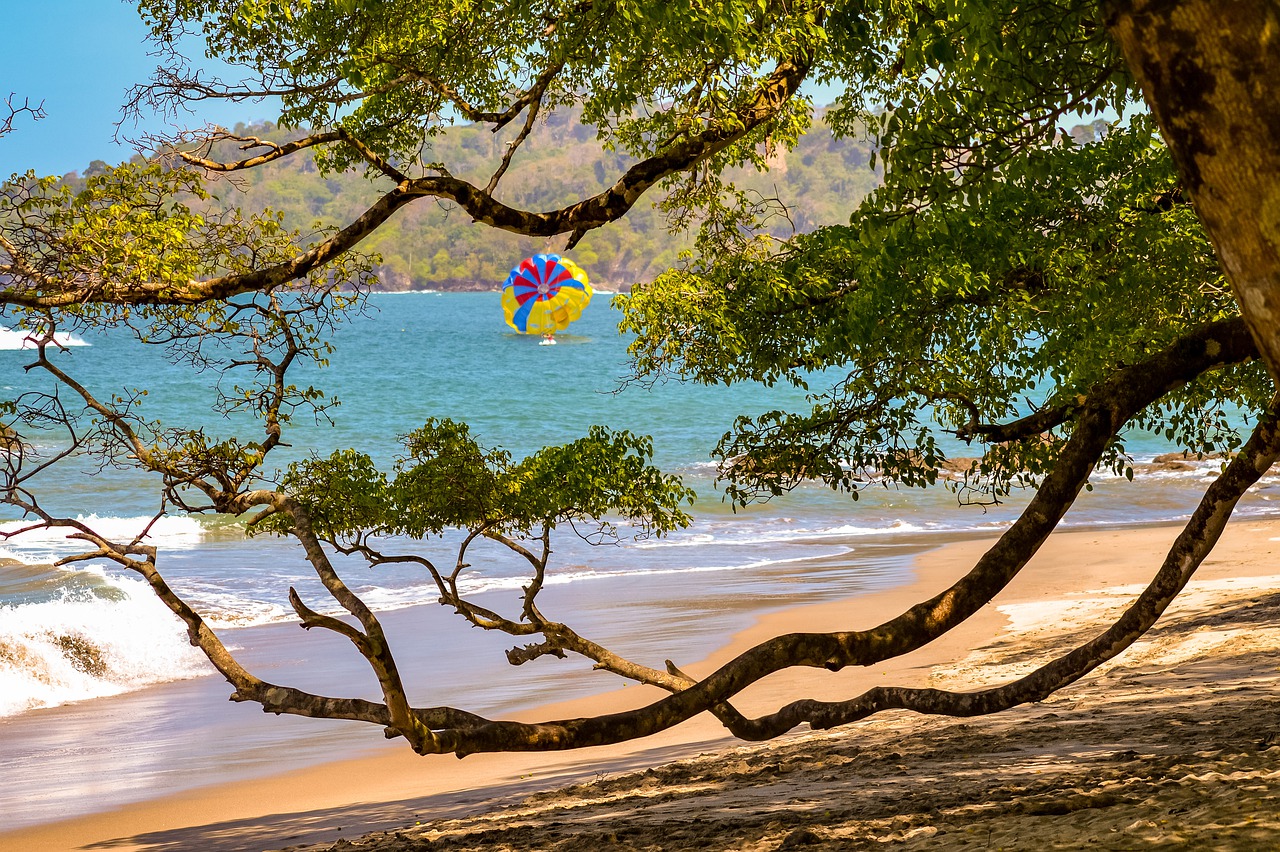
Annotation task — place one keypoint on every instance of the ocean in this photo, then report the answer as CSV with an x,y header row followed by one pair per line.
x,y
102,701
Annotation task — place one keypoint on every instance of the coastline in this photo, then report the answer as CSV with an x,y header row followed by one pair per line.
x,y
353,797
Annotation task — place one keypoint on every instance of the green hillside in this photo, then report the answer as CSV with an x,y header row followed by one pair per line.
x,y
430,246
433,245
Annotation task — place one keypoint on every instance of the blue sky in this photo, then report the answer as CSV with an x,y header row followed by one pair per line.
x,y
79,57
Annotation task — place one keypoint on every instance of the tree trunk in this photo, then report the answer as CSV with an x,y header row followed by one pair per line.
x,y
1210,70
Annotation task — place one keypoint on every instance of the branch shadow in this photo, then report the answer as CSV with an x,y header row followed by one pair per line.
x,y
328,825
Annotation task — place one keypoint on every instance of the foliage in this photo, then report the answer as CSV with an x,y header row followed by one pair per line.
x,y
669,84
435,246
139,227
397,62
148,228
1002,269
448,481
1005,284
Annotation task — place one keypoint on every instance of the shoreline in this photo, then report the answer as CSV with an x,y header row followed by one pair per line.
x,y
98,755
350,798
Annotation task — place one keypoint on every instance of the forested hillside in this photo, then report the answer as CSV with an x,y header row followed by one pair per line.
x,y
435,246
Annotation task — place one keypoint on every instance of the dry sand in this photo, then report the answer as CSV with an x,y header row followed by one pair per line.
x,y
1176,744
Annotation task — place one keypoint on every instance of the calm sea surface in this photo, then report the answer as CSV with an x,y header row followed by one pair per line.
x,y
148,716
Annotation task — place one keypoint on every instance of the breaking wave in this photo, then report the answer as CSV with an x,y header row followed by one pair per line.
x,y
15,339
102,637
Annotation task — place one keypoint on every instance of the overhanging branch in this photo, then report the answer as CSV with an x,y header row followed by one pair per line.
x,y
576,219
1188,551
1108,406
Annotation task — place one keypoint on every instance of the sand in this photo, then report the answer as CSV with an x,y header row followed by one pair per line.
x,y
1174,744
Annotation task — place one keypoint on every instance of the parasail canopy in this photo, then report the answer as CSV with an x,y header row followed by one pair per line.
x,y
544,294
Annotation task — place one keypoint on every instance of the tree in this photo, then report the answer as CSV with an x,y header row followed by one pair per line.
x,y
999,256
1206,69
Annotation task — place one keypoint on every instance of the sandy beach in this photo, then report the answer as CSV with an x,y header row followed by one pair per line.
x,y
1175,743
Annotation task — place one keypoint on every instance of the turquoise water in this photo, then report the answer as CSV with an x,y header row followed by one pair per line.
x,y
415,356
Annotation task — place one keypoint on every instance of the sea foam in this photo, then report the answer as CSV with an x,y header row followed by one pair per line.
x,y
82,645
736,535
51,543
16,339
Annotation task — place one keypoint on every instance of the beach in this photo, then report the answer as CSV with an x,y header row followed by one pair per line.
x,y
1175,742
139,740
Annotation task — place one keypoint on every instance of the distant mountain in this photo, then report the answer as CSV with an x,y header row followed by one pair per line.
x,y
430,246
435,246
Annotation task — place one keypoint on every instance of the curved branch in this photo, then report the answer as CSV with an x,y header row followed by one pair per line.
x,y
276,151
372,158
1188,551
311,618
1036,423
576,219
273,698
1109,405
514,145
499,120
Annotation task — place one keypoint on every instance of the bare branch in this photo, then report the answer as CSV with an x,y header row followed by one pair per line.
x,y
513,146
372,158
11,112
1036,423
275,151
499,120
311,618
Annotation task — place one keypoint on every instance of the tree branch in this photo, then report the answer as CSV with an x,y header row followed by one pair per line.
x,y
1036,423
311,618
1110,404
1188,551
275,151
11,112
576,219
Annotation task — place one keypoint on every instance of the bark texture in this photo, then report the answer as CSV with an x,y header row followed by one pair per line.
x,y
1209,70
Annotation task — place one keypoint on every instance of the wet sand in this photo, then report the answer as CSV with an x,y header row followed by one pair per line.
x,y
1174,743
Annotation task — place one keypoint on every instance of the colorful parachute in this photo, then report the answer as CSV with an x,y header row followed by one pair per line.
x,y
544,294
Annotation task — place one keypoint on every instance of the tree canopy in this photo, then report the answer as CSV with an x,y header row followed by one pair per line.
x,y
1030,294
